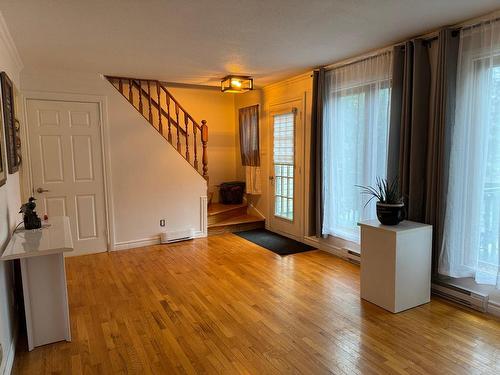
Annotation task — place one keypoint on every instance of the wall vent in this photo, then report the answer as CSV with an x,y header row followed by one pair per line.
x,y
352,256
464,297
177,235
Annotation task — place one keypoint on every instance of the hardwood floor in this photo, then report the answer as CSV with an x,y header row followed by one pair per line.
x,y
225,305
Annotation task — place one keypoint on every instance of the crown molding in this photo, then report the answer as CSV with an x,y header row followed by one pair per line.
x,y
6,37
287,81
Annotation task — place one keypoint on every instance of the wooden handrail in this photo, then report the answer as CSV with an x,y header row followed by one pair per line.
x,y
152,99
154,103
164,88
179,105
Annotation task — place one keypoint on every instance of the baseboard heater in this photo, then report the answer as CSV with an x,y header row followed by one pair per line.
x,y
171,236
352,256
462,296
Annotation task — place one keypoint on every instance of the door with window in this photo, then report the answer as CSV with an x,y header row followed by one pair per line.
x,y
66,168
285,185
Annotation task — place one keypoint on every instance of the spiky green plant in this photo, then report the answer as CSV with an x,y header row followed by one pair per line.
x,y
384,191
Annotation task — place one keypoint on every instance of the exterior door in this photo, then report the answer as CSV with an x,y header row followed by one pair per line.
x,y
285,174
66,168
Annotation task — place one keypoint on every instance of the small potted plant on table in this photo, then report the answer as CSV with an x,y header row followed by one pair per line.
x,y
390,205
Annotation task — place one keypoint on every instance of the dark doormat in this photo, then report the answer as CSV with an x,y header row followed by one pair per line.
x,y
278,244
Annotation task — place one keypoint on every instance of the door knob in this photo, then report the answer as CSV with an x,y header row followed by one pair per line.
x,y
41,190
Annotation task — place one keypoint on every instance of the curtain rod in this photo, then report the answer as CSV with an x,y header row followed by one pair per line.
x,y
430,37
364,57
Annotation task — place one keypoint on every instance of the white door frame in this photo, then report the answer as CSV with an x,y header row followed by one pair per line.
x,y
274,108
26,176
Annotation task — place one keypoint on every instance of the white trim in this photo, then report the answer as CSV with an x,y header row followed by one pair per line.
x,y
203,232
290,80
297,105
337,251
494,308
27,301
8,362
105,149
9,43
252,210
132,244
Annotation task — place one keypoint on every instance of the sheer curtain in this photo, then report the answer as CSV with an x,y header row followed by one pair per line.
x,y
472,220
355,132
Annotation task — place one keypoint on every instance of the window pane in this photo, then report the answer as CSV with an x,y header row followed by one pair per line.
x,y
355,132
283,154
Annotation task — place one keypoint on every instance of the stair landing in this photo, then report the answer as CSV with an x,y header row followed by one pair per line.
x,y
228,218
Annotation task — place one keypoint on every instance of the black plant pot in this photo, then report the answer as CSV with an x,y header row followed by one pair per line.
x,y
390,214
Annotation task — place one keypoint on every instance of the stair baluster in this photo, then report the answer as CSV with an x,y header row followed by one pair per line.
x,y
186,122
178,130
154,100
195,146
168,117
140,97
160,125
149,102
204,140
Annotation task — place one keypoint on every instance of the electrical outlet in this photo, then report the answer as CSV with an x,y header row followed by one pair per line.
x,y
163,222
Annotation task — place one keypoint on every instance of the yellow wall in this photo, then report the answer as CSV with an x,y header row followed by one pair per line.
x,y
218,110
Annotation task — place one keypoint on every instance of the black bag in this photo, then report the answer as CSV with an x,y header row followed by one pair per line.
x,y
232,192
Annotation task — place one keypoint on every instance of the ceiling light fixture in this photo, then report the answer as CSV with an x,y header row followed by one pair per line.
x,y
236,84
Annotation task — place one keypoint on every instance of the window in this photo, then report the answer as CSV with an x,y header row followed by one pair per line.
x,y
355,136
284,155
472,220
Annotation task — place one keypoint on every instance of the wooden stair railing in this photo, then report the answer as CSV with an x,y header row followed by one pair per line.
x,y
156,104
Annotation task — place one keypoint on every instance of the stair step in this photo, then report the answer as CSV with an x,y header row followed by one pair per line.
x,y
218,212
236,224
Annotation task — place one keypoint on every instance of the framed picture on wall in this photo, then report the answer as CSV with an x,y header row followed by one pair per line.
x,y
3,170
9,123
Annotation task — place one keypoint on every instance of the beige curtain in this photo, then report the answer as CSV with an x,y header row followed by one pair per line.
x,y
249,148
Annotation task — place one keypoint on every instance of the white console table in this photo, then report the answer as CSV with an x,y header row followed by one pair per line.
x,y
396,264
41,253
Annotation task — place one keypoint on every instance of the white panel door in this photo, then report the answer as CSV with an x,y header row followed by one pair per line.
x,y
66,167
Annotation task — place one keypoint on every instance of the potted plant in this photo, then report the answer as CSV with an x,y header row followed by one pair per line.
x,y
390,205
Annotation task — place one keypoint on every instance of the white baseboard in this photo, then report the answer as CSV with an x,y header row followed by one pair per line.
x,y
8,362
132,244
313,241
343,253
155,240
70,254
494,308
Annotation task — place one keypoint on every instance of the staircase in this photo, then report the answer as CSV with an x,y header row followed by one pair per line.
x,y
157,105
227,218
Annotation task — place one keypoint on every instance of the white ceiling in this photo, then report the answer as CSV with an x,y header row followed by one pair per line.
x,y
199,41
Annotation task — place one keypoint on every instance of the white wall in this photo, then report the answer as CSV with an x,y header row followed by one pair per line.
x,y
10,202
149,179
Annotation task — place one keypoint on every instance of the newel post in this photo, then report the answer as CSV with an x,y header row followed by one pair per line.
x,y
204,140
